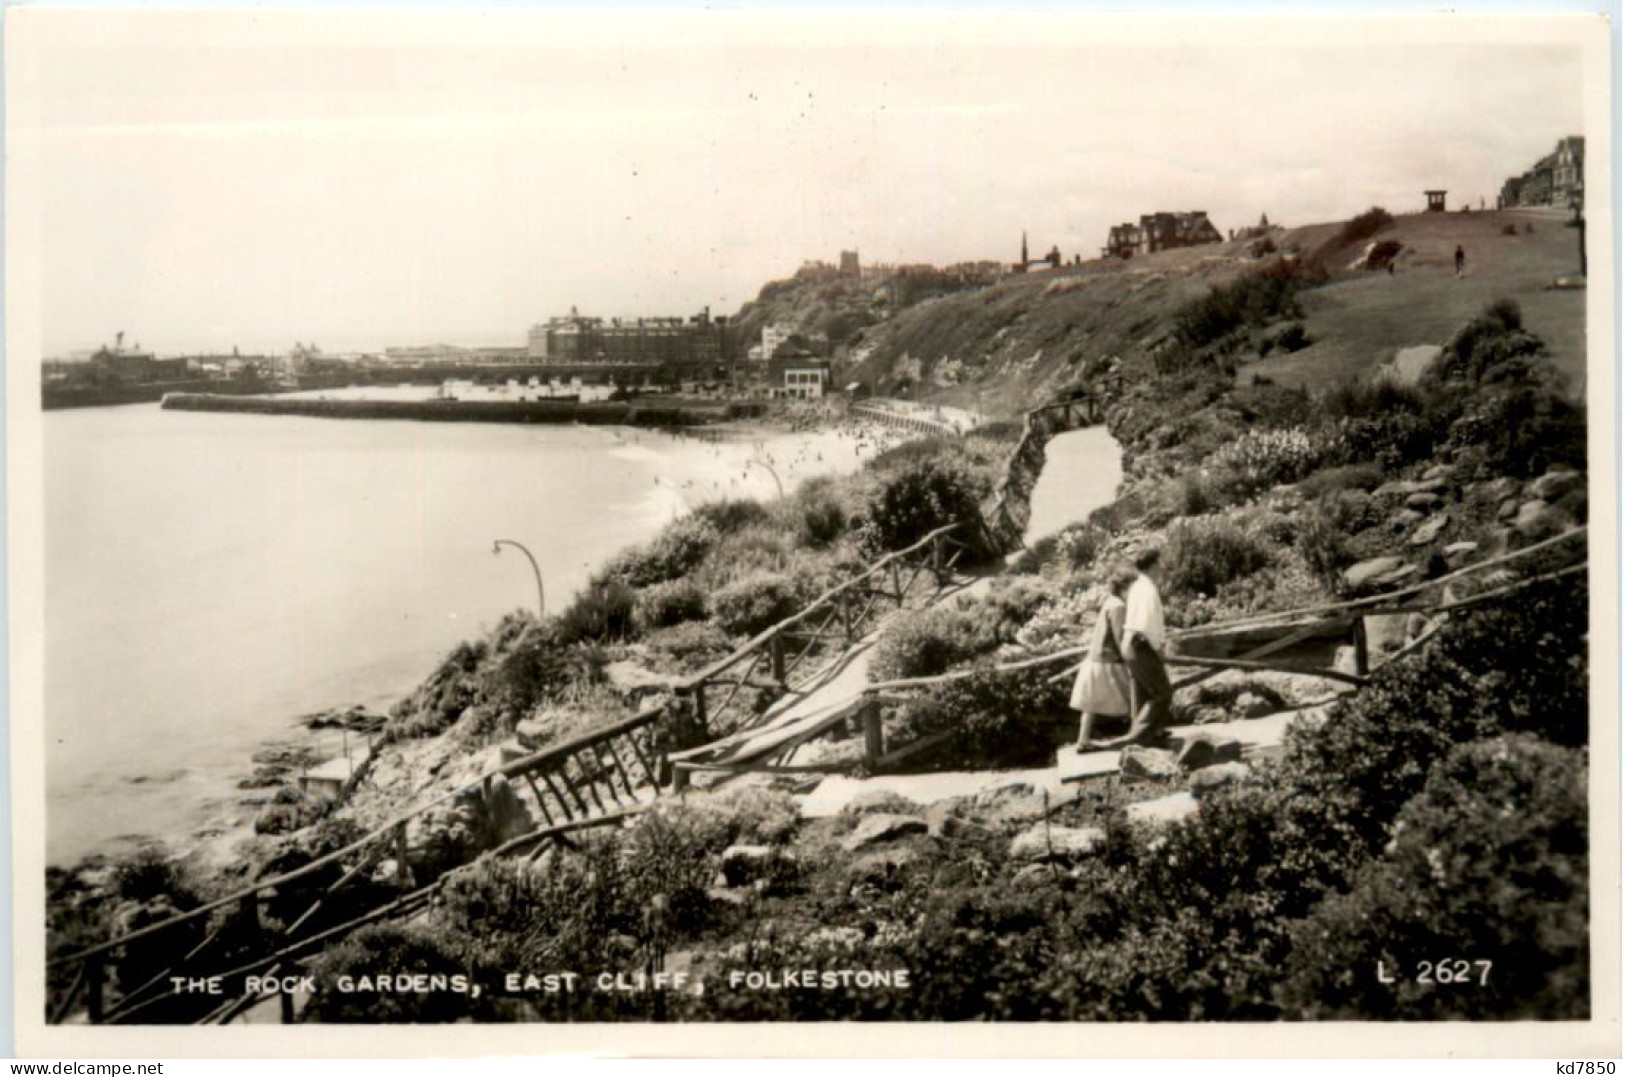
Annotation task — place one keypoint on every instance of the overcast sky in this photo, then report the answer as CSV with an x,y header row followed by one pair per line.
x,y
369,180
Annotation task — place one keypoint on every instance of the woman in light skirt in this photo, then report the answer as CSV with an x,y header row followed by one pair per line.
x,y
1102,687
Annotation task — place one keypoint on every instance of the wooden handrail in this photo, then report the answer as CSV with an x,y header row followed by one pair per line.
x,y
767,634
505,770
1361,604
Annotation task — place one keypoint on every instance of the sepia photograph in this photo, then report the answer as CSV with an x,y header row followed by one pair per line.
x,y
573,530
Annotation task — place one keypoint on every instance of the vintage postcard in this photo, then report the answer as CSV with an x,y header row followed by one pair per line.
x,y
535,531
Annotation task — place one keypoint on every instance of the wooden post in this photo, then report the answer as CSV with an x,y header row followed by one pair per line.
x,y
776,652
93,988
874,737
286,998
1362,655
700,717
403,874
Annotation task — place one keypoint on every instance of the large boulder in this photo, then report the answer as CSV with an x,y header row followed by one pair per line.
x,y
744,864
1040,842
1431,530
1149,763
1012,802
1163,810
1496,490
1556,484
882,827
1205,749
1204,781
1423,501
1537,520
1403,520
532,734
877,801
1375,573
1401,488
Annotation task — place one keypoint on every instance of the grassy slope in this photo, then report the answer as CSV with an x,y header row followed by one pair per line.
x,y
1362,320
1024,339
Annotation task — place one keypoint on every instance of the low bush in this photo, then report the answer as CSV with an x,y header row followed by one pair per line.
x,y
818,514
675,552
1479,908
690,640
755,602
539,666
732,515
1254,298
923,643
1205,553
992,718
1364,226
1324,545
290,810
1492,348
669,603
919,498
1338,480
1522,431
603,611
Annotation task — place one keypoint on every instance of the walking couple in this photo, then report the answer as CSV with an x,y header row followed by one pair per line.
x,y
1123,676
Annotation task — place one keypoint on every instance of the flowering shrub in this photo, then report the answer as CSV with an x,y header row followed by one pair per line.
x,y
1260,459
1064,621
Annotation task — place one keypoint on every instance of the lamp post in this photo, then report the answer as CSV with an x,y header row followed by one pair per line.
x,y
541,598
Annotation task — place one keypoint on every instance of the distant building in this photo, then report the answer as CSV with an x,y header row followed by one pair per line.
x,y
1160,232
799,379
774,335
849,264
1257,231
1052,259
118,363
1557,179
1569,173
536,342
684,345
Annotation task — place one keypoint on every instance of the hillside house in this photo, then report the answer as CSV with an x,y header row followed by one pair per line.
x,y
1160,232
1557,179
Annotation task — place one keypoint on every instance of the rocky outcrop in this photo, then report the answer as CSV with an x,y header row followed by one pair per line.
x,y
1043,843
1149,763
1205,749
1208,779
1163,810
882,827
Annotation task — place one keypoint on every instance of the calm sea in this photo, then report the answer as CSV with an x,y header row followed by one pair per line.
x,y
211,578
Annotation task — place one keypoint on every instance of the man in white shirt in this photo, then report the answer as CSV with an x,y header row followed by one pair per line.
x,y
1144,638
